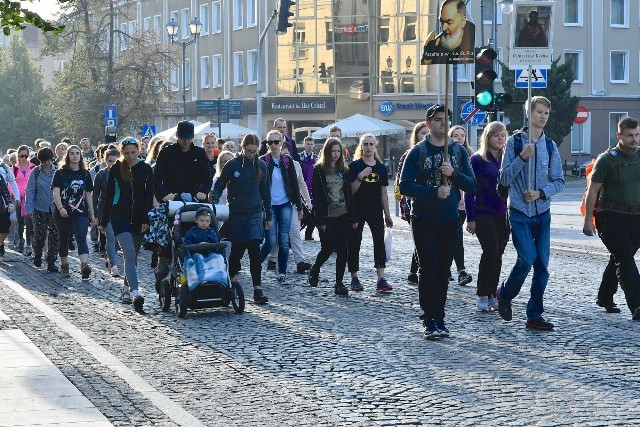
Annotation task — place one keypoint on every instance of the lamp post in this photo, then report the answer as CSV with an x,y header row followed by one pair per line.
x,y
195,26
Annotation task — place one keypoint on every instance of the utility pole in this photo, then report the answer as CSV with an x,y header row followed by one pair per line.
x,y
261,65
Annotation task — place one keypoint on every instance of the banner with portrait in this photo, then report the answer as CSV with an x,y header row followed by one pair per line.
x,y
531,34
456,41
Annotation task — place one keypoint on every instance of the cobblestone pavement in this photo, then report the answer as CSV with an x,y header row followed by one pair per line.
x,y
311,358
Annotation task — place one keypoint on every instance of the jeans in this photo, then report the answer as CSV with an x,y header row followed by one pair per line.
x,y
531,238
335,234
130,244
112,254
436,243
620,233
294,240
493,234
279,232
79,225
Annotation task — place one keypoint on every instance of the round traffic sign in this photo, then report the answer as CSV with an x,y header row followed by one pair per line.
x,y
583,115
472,115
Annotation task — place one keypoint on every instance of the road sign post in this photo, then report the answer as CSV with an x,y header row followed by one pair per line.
x,y
111,115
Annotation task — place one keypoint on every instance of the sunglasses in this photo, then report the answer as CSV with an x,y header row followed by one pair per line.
x,y
129,141
273,141
368,144
24,156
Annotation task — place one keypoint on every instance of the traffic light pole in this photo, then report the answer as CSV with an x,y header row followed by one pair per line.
x,y
259,86
530,163
445,180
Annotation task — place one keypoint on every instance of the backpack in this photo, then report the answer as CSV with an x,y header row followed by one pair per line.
x,y
503,190
286,160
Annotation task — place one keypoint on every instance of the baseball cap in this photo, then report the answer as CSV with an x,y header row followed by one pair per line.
x,y
435,108
185,130
203,211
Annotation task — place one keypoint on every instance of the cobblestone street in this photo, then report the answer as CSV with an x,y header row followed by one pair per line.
x,y
311,358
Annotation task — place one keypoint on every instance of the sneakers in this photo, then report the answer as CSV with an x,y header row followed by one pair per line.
x,y
611,307
412,278
125,298
271,265
259,297
504,309
302,267
85,271
356,286
138,303
464,278
431,331
64,270
493,303
51,267
482,303
114,271
444,332
383,286
341,289
539,324
282,279
314,276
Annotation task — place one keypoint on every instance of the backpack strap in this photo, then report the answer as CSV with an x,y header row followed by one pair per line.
x,y
517,144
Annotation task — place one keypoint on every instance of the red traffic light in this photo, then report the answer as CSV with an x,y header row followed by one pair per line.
x,y
486,56
485,77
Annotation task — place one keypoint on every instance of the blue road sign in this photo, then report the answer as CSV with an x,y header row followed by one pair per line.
x,y
148,130
538,78
111,115
472,115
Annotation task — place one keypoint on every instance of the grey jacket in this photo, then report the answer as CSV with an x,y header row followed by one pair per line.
x,y
546,177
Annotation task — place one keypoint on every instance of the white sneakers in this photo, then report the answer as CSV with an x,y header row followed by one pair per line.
x,y
485,303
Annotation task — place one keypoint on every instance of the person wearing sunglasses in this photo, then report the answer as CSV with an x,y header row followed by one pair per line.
x,y
369,181
434,214
21,171
249,195
130,178
209,143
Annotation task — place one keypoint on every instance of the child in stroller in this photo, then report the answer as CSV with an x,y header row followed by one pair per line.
x,y
202,233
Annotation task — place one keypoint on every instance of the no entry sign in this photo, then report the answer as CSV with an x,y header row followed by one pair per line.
x,y
583,115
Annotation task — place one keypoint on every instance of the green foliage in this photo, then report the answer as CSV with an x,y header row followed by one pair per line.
x,y
22,96
558,91
14,16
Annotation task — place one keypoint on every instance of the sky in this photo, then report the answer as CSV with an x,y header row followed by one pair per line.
x,y
45,8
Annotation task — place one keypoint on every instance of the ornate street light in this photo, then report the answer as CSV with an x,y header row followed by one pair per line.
x,y
195,26
389,62
408,62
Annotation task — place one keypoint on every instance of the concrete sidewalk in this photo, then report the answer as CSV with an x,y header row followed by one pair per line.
x,y
34,391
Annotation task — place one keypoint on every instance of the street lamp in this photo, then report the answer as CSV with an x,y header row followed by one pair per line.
x,y
389,63
195,26
408,62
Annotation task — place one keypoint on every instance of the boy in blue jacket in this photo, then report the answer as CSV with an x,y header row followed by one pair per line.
x,y
202,233
434,214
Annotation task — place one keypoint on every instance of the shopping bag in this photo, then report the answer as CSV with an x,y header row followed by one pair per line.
x,y
388,241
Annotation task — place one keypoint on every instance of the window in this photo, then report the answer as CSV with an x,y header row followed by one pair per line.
x,y
238,69
252,15
157,26
132,28
217,70
216,17
252,66
146,24
123,36
487,12
575,56
187,74
614,119
620,13
299,34
204,72
204,19
175,73
409,32
581,138
464,72
573,13
619,66
184,23
383,35
237,14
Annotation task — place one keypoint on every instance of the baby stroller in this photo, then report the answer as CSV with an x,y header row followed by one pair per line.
x,y
191,280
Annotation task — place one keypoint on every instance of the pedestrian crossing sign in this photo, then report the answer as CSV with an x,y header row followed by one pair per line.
x,y
148,130
538,78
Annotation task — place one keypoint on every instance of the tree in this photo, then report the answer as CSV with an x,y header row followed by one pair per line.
x,y
14,16
106,66
22,96
558,91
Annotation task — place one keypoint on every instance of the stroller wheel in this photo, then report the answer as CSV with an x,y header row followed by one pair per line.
x,y
237,297
165,295
182,302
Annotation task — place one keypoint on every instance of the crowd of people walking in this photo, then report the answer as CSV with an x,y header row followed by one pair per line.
x,y
53,198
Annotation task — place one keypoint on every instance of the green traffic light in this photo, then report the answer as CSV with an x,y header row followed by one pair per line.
x,y
484,98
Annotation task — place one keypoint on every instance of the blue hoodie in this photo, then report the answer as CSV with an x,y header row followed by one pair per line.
x,y
514,173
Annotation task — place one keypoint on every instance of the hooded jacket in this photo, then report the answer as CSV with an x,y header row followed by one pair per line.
x,y
128,201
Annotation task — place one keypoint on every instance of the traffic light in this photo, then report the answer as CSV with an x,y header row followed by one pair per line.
x,y
484,77
323,70
283,16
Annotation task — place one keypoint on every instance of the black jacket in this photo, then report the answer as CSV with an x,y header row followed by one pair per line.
x,y
135,199
289,178
181,172
320,208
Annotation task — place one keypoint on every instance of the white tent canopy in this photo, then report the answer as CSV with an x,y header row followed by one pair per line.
x,y
170,134
360,124
229,131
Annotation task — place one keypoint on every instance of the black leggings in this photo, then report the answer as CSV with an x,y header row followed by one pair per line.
x,y
376,225
255,267
336,232
493,234
24,222
459,255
